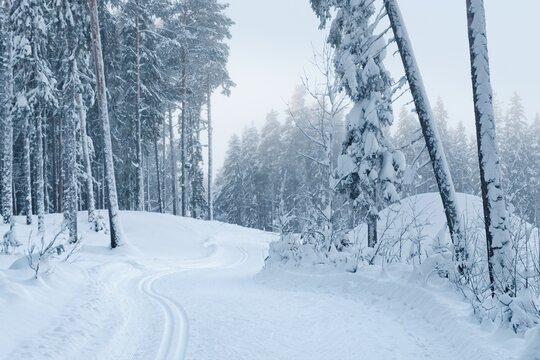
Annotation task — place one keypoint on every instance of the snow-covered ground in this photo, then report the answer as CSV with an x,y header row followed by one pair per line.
x,y
193,289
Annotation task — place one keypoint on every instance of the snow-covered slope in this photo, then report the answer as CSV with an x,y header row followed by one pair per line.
x,y
191,289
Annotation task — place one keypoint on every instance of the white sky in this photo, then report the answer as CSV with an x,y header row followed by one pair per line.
x,y
272,45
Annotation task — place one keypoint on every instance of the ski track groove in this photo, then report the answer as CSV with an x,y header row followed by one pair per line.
x,y
176,324
176,321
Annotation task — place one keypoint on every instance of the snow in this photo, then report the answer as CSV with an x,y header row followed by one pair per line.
x,y
194,289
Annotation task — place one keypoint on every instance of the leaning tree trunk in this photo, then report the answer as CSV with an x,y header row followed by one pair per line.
x,y
140,175
210,154
173,166
499,248
7,121
101,94
40,181
431,135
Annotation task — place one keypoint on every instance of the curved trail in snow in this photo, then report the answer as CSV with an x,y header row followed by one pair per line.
x,y
174,340
173,343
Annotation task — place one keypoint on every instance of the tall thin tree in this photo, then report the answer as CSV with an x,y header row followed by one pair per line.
x,y
6,120
499,248
430,132
101,94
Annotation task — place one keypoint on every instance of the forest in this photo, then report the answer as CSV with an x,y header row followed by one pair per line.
x,y
162,61
360,219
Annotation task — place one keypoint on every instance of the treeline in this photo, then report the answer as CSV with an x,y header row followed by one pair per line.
x,y
162,61
274,171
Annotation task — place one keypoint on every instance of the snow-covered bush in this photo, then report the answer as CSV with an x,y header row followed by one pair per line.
x,y
293,251
40,255
99,223
9,241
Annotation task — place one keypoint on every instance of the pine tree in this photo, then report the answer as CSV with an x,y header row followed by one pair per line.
x,y
458,159
229,185
33,90
515,158
250,164
269,169
71,23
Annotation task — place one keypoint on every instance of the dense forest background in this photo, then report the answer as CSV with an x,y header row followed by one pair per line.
x,y
277,164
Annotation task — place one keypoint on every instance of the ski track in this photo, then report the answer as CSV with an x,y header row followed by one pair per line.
x,y
174,340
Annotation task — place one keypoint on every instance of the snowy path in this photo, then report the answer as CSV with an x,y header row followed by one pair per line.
x,y
192,292
173,342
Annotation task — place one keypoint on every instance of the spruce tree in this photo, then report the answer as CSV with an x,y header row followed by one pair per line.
x,y
370,167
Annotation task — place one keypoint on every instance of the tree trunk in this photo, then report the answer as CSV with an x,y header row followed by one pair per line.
x,y
101,94
372,230
431,135
184,139
7,123
140,176
45,166
499,248
27,174
162,169
69,160
89,180
173,166
158,174
40,181
210,155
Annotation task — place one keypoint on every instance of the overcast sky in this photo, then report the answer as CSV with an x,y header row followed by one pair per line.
x,y
272,44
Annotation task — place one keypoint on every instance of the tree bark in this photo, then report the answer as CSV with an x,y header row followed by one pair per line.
x,y
499,248
184,139
158,174
89,180
431,135
40,181
27,174
7,122
162,169
101,93
210,155
173,166
140,176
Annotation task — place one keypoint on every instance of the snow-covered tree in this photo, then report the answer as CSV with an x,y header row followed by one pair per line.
x,y
6,108
33,90
250,164
516,160
269,169
370,167
230,193
495,216
101,95
430,132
